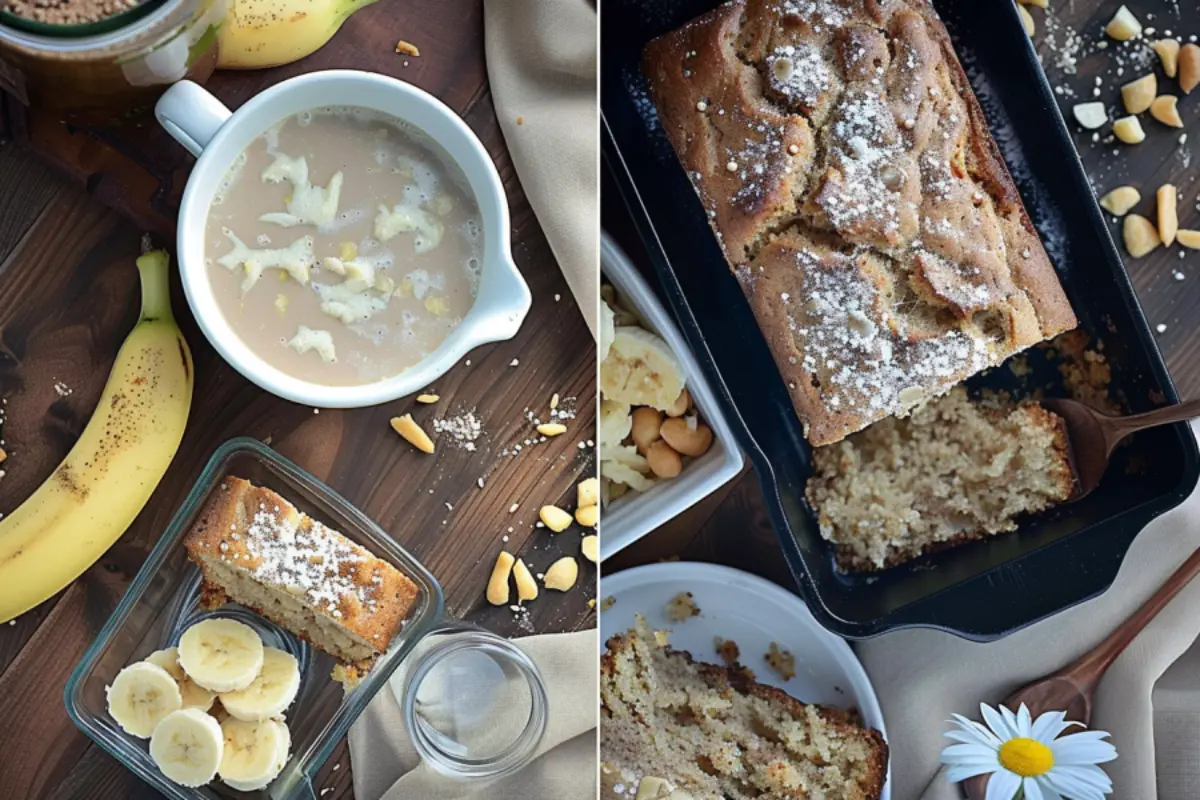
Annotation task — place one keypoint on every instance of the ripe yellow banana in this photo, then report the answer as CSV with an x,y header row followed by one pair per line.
x,y
95,493
267,33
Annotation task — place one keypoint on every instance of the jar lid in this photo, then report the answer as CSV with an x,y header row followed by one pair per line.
x,y
474,703
76,30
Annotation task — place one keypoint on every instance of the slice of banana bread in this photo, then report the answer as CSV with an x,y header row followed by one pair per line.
x,y
257,549
714,733
955,470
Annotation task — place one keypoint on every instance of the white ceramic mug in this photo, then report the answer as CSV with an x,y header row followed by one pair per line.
x,y
216,136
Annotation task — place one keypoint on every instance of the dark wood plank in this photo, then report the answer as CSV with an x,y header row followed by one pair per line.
x,y
35,188
68,296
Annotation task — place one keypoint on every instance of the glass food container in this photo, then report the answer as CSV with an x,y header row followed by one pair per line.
x,y
163,601
101,74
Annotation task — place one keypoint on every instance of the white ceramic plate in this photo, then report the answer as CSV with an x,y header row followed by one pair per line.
x,y
752,612
634,514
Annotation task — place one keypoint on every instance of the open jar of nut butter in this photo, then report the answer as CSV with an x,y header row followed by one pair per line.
x,y
103,61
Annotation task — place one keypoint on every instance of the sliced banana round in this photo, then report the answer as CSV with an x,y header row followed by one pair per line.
x,y
255,752
641,369
608,329
221,654
141,695
272,691
194,695
188,747
616,421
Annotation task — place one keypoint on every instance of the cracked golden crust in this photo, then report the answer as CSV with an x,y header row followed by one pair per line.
x,y
867,142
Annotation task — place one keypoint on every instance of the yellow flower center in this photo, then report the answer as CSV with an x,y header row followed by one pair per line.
x,y
1026,757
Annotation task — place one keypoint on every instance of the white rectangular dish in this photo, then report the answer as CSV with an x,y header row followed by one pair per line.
x,y
633,515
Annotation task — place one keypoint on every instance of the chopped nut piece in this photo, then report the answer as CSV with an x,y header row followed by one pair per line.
x,y
551,429
1165,109
555,518
554,401
3,455
587,493
428,398
1027,20
527,588
1189,67
587,516
1129,130
1120,201
407,48
1168,217
1188,238
1138,95
681,607
562,574
590,547
1090,115
412,433
1140,235
783,662
681,405
1168,54
497,588
1123,26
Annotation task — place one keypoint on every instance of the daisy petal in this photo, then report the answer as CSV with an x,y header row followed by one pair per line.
x,y
1080,783
1024,722
982,732
967,738
961,772
955,752
1048,726
1010,719
1079,749
1048,791
1031,789
1002,785
996,722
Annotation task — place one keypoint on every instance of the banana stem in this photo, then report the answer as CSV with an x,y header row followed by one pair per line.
x,y
156,286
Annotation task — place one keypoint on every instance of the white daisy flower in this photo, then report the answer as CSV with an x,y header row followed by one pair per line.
x,y
1025,755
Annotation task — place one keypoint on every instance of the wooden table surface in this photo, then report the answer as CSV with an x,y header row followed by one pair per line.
x,y
731,526
68,297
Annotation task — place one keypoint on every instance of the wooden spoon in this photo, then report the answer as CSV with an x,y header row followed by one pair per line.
x,y
1093,436
1071,689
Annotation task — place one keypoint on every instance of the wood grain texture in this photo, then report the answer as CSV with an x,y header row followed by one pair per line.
x,y
68,297
735,529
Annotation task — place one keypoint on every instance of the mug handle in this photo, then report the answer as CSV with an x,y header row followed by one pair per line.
x,y
191,115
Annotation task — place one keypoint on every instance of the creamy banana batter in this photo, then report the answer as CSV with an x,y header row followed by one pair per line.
x,y
343,246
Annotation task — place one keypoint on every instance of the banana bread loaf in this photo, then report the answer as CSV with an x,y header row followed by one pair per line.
x,y
848,173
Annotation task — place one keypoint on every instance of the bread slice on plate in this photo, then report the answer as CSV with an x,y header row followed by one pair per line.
x,y
685,729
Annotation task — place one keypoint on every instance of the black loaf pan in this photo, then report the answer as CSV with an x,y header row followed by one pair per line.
x,y
982,590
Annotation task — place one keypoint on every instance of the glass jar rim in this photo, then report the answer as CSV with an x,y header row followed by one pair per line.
x,y
522,749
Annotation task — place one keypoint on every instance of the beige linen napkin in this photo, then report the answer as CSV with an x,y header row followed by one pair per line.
x,y
541,61
924,676
385,765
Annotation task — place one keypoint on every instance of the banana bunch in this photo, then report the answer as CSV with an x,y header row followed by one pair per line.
x,y
166,699
268,33
97,491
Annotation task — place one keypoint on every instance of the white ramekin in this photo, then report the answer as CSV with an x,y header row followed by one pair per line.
x,y
216,136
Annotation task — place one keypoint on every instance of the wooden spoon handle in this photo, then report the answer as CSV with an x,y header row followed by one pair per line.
x,y
1088,670
1180,412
